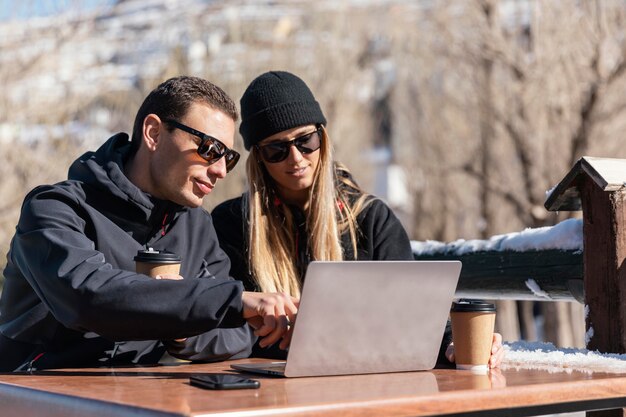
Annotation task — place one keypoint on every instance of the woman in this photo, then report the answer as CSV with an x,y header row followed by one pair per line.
x,y
301,204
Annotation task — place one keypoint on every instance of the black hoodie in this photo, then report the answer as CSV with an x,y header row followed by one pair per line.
x,y
71,296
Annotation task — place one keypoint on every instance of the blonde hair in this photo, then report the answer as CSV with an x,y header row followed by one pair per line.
x,y
272,248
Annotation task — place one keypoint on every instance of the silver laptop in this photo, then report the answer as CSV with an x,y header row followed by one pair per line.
x,y
368,317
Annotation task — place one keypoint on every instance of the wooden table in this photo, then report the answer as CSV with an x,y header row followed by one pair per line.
x,y
165,391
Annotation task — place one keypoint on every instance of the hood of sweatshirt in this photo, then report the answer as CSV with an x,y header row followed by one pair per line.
x,y
103,170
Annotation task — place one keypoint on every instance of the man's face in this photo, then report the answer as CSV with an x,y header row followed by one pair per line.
x,y
177,172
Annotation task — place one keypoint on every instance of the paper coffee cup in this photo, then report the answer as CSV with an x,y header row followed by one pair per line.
x,y
473,324
154,262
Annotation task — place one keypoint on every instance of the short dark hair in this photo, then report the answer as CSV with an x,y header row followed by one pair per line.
x,y
172,99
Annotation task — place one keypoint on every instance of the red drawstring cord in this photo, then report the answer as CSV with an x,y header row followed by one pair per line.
x,y
32,362
163,225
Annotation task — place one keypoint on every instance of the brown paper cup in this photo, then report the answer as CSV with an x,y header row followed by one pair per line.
x,y
472,333
157,269
153,262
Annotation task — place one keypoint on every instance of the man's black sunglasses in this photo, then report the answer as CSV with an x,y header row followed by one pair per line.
x,y
210,148
279,151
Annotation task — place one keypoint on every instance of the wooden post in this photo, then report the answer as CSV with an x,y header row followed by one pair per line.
x,y
597,185
604,231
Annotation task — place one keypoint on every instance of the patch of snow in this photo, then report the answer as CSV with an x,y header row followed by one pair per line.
x,y
535,289
539,355
566,235
588,335
549,192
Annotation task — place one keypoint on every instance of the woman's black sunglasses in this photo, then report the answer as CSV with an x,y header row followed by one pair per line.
x,y
279,151
210,148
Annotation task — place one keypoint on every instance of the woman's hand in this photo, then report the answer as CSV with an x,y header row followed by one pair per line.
x,y
497,351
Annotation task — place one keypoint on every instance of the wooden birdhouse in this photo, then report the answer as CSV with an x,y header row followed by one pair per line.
x,y
597,186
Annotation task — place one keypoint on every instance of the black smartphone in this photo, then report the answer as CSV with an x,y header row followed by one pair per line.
x,y
223,381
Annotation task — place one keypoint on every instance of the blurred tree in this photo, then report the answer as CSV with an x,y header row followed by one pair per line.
x,y
539,83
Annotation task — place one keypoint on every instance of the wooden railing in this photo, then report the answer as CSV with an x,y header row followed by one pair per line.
x,y
540,275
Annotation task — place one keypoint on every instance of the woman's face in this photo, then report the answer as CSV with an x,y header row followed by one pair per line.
x,y
294,174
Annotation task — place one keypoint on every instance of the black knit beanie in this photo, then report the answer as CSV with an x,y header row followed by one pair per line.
x,y
273,102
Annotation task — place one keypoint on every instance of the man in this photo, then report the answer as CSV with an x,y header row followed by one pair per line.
x,y
71,296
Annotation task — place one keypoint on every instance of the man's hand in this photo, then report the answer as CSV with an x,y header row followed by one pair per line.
x,y
497,351
271,315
